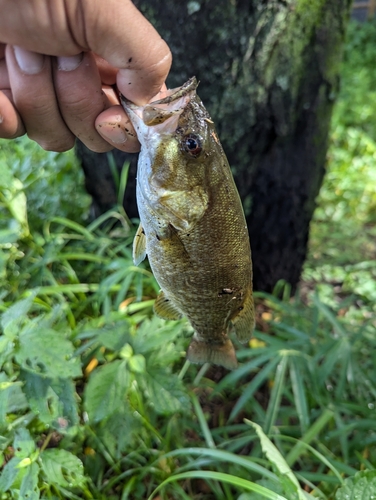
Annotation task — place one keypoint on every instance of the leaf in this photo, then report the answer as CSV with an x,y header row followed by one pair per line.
x,y
300,399
68,409
62,468
36,390
115,336
29,486
51,399
106,390
16,203
287,477
16,313
23,443
360,486
137,363
119,433
154,335
164,391
6,177
239,482
252,387
46,352
12,399
266,483
9,474
277,391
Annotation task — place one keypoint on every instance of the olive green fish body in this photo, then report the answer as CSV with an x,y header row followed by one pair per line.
x,y
192,225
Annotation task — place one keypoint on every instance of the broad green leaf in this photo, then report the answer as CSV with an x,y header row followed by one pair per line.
x,y
287,477
119,433
12,399
9,474
6,177
51,399
137,363
36,389
23,444
106,390
359,487
29,485
114,337
17,312
17,205
46,352
164,391
66,392
8,236
62,468
154,335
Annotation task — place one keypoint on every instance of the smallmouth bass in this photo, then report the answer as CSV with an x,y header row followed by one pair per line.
x,y
192,228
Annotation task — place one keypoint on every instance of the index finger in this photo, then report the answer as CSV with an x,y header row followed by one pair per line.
x,y
129,42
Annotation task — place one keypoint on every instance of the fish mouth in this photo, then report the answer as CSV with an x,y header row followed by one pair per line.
x,y
171,105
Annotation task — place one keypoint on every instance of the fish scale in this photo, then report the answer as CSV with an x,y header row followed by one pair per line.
x,y
192,224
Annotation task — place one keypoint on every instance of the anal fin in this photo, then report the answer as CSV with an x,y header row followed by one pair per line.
x,y
165,309
222,354
139,246
244,320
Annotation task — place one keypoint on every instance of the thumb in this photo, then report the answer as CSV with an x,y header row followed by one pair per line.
x,y
123,37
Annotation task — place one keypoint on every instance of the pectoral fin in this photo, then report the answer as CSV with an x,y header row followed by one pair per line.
x,y
244,320
139,246
222,354
185,208
165,309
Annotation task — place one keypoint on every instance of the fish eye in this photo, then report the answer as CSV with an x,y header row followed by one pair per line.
x,y
192,144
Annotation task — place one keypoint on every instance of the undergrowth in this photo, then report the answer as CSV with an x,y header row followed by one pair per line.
x,y
96,398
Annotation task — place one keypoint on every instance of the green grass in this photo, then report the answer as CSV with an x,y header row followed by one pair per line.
x,y
96,398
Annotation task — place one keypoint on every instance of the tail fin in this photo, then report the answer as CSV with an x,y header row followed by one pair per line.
x,y
201,352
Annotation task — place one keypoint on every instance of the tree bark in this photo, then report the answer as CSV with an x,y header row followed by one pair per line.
x,y
269,76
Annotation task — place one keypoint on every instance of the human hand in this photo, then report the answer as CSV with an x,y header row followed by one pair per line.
x,y
59,63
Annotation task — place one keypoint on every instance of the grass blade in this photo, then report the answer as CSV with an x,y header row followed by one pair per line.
x,y
276,395
123,183
224,456
311,434
299,395
259,379
328,463
203,423
220,476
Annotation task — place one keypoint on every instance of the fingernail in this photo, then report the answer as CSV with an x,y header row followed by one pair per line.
x,y
30,63
112,132
69,63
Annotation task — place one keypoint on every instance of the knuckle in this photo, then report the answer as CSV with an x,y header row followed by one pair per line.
x,y
56,145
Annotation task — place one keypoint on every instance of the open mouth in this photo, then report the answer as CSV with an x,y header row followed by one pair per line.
x,y
172,104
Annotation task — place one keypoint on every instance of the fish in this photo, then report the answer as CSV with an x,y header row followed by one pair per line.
x,y
192,225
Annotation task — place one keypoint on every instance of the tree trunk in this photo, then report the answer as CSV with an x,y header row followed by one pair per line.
x,y
269,77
